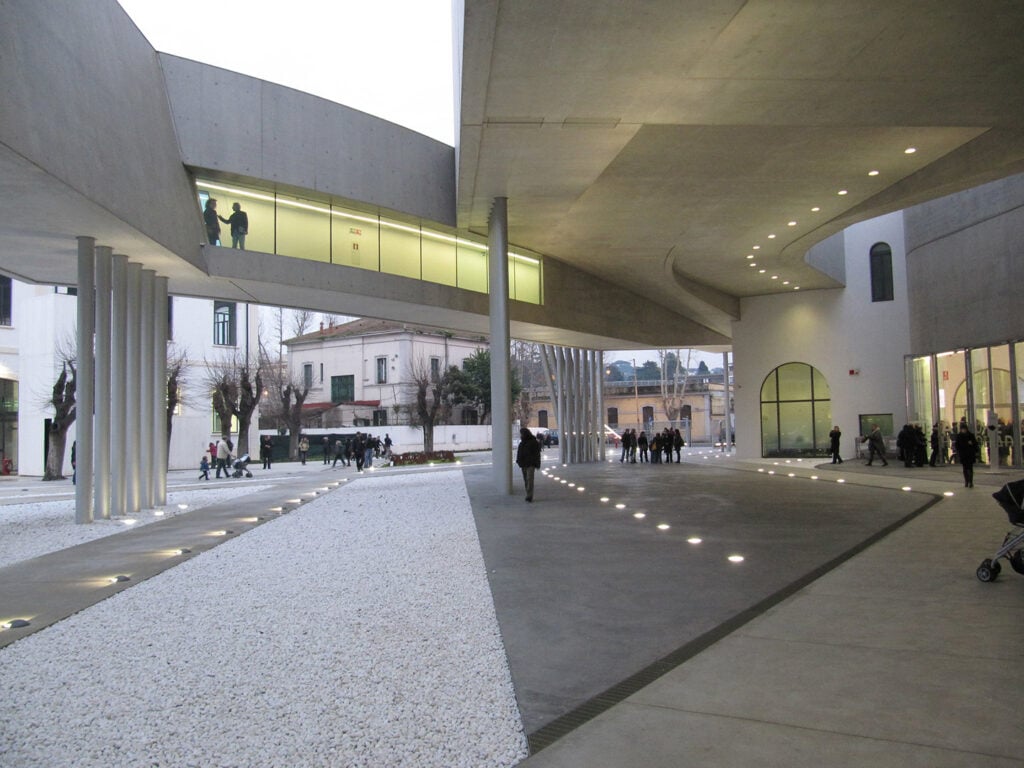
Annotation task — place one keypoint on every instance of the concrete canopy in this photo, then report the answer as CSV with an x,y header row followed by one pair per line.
x,y
665,146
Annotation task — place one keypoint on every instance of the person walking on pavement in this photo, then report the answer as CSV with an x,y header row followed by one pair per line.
x,y
528,459
967,452
834,437
876,444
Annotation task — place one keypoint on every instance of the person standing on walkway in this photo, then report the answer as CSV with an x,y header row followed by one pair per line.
x,y
834,437
223,454
641,443
303,449
967,451
326,443
266,450
876,445
239,221
528,459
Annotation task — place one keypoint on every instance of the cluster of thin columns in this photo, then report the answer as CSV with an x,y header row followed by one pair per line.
x,y
574,376
121,394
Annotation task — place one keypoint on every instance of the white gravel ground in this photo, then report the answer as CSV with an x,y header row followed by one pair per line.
x,y
356,631
37,528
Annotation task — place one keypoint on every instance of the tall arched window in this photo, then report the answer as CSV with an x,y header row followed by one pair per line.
x,y
796,412
881,272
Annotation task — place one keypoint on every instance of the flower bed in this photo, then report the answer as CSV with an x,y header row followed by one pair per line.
x,y
423,457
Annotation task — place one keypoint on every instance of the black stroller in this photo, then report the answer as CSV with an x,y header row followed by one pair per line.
x,y
241,466
1011,499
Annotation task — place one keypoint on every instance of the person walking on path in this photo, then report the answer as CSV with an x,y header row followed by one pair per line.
x,y
303,449
876,444
204,468
223,454
326,443
528,459
834,437
967,452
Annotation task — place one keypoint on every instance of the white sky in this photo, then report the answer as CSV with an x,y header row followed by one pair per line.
x,y
390,58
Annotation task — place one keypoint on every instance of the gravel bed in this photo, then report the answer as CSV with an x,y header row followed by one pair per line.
x,y
38,528
357,631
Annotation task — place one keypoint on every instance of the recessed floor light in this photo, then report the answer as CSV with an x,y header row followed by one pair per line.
x,y
815,209
736,558
910,150
872,173
771,237
664,526
791,224
842,192
694,540
756,247
620,506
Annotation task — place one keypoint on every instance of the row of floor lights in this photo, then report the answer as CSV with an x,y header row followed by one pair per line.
x,y
735,558
20,623
815,209
840,480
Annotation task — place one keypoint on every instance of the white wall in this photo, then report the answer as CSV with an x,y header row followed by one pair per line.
x,y
835,331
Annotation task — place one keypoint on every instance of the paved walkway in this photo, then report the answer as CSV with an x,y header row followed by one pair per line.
x,y
852,633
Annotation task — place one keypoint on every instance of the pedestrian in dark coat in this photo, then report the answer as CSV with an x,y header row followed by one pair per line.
x,y
528,459
967,452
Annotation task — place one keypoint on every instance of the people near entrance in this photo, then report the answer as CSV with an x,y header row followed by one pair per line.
x,y
528,459
204,468
966,445
641,444
239,221
834,438
212,219
677,444
876,445
303,449
326,445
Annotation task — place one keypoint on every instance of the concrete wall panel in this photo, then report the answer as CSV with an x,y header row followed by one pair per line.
x,y
239,125
964,254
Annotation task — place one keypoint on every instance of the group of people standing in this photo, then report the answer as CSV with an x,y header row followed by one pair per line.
x,y
238,221
640,447
362,449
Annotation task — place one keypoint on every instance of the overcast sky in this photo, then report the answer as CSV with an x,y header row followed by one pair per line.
x,y
390,58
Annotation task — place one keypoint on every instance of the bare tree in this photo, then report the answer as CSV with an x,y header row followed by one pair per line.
x,y
62,400
301,321
177,370
236,390
429,404
675,377
285,398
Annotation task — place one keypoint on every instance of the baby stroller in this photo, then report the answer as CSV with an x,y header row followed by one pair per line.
x,y
1011,499
241,466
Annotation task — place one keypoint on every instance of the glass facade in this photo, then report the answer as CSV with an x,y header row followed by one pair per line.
x,y
980,386
796,412
317,230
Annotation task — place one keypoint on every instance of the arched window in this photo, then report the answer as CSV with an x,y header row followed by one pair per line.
x,y
881,272
796,412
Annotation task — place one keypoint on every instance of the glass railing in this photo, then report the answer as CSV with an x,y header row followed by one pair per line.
x,y
305,228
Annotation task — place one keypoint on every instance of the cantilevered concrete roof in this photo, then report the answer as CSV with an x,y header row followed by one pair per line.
x,y
666,145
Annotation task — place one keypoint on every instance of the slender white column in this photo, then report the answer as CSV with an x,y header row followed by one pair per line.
x,y
84,387
599,383
101,436
563,409
146,399
133,389
501,406
118,380
727,394
160,392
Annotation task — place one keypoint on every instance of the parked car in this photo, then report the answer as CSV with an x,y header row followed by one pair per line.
x,y
549,437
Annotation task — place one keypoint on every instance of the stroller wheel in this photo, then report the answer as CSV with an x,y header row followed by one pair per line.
x,y
988,571
1017,561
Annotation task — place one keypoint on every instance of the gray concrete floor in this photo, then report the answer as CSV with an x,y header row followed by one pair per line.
x,y
853,633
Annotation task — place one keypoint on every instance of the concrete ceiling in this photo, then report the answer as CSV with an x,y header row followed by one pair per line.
x,y
666,145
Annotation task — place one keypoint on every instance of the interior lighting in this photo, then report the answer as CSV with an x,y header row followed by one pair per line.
x,y
909,150
694,540
736,558
872,173
639,515
663,526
